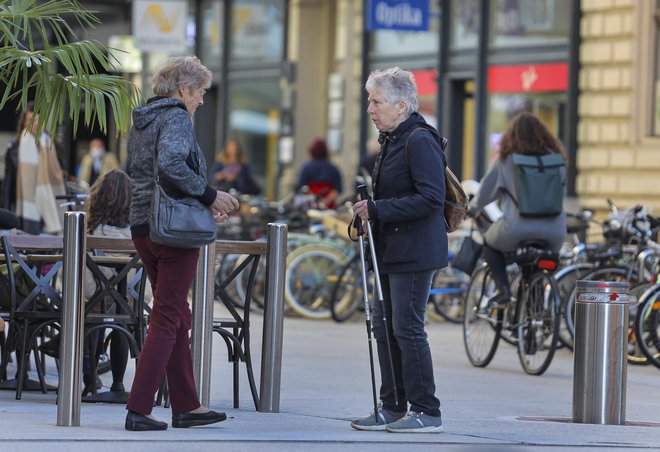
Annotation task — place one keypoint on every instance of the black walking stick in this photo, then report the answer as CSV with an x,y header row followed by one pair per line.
x,y
357,223
362,191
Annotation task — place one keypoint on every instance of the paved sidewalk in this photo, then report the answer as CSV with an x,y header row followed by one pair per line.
x,y
326,381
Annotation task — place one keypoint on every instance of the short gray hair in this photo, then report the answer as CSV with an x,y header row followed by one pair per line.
x,y
396,84
185,71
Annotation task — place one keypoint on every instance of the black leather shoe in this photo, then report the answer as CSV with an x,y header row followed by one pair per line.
x,y
141,423
194,419
500,299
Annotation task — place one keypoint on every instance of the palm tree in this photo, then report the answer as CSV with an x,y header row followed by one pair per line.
x,y
41,59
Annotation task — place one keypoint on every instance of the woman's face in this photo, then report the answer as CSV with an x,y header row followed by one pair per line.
x,y
192,97
26,122
386,116
232,150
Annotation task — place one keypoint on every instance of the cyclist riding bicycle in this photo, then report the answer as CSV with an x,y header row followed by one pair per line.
x,y
526,135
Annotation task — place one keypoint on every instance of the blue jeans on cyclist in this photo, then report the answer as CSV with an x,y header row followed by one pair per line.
x,y
405,298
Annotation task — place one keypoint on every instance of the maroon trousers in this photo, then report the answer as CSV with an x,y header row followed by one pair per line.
x,y
166,349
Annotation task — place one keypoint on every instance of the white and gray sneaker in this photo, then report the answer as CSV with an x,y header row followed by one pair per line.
x,y
385,417
414,422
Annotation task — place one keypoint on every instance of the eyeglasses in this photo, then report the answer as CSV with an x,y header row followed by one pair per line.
x,y
202,92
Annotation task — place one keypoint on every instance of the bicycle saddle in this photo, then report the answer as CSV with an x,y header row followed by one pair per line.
x,y
529,252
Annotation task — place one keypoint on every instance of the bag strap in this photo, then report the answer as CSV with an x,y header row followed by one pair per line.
x,y
443,144
161,119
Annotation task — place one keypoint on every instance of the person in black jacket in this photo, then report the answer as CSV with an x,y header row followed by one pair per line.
x,y
407,214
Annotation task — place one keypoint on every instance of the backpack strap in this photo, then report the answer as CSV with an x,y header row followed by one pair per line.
x,y
442,143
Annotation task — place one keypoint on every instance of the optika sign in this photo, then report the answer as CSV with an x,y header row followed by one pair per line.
x,y
411,15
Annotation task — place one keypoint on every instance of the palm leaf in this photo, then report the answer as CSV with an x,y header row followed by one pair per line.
x,y
38,59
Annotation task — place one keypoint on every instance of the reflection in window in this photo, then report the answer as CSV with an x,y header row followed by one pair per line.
x,y
253,120
257,30
529,22
211,34
464,24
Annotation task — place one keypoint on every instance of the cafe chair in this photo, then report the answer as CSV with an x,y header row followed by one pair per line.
x,y
118,305
35,312
235,330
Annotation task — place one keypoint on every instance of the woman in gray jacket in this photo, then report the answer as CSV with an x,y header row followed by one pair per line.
x,y
526,134
163,129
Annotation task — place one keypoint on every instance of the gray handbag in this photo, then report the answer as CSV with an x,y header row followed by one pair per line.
x,y
181,223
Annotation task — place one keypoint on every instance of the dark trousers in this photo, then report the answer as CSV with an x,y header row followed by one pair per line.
x,y
405,298
166,349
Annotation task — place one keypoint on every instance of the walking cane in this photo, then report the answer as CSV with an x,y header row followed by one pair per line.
x,y
357,223
362,191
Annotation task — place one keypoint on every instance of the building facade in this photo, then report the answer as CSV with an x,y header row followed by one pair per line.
x,y
288,71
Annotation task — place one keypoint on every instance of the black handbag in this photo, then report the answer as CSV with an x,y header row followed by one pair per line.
x,y
181,223
467,256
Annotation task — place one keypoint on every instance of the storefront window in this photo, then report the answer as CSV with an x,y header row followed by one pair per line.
x,y
257,30
517,23
253,120
464,24
211,34
549,107
656,97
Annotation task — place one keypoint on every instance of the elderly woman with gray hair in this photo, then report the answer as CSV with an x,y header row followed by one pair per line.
x,y
162,129
407,214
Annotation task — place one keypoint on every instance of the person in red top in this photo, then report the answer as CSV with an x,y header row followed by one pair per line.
x,y
321,175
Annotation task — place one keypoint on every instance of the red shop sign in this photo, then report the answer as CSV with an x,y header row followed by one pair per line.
x,y
427,82
528,78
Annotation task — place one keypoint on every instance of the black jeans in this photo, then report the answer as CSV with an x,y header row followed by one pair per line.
x,y
405,298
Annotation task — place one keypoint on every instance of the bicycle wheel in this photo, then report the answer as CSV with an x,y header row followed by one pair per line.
x,y
538,323
566,278
311,273
647,325
347,293
481,322
447,290
635,354
614,273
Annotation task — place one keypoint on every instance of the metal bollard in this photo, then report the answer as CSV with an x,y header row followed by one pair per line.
x,y
271,350
600,352
69,393
202,327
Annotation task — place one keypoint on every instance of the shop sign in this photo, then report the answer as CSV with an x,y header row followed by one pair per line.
x,y
160,26
426,81
528,78
408,15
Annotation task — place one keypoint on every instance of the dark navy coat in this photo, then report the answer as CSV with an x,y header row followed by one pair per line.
x,y
409,196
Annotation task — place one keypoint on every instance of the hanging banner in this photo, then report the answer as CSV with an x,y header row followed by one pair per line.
x,y
407,15
160,26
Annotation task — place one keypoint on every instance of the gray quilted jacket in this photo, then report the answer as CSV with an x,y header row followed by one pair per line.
x,y
164,124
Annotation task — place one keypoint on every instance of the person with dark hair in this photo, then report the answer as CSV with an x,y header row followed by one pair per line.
x,y
108,208
163,133
231,170
321,175
410,240
96,163
525,134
